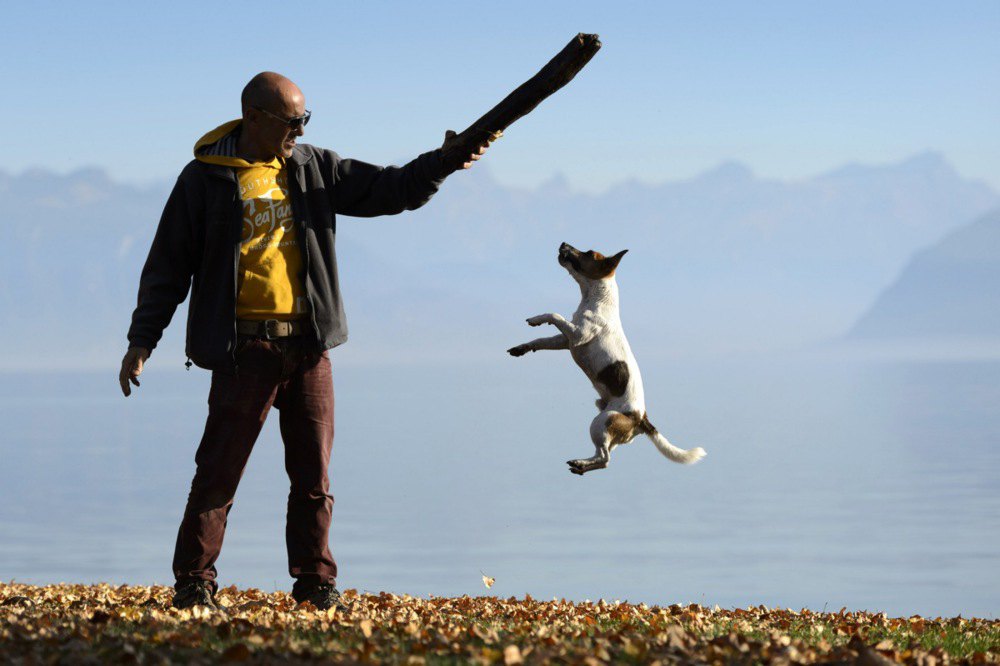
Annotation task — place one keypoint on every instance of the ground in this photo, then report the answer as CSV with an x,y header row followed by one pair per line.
x,y
79,624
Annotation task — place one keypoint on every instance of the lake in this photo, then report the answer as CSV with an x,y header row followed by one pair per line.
x,y
828,483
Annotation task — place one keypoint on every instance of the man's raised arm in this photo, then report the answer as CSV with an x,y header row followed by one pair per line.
x,y
366,190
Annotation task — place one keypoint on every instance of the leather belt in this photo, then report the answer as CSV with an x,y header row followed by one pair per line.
x,y
270,329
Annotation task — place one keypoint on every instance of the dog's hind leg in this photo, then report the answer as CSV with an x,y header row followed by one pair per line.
x,y
604,440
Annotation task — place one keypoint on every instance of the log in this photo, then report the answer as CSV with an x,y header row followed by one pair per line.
x,y
558,72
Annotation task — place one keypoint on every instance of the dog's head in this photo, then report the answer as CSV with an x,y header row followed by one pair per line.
x,y
588,266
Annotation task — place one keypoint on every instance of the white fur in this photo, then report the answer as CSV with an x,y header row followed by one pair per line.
x,y
595,339
674,453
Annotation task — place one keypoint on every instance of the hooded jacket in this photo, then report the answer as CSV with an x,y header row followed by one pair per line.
x,y
197,242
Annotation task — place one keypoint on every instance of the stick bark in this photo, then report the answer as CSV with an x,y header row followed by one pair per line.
x,y
558,72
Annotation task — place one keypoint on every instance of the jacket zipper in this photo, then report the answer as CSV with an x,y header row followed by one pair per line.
x,y
238,203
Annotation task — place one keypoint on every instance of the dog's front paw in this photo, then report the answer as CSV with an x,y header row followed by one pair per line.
x,y
519,350
538,320
577,467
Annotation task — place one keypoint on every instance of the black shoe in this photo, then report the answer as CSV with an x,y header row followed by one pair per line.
x,y
198,593
321,595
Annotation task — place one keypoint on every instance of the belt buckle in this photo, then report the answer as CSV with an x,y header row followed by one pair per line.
x,y
270,329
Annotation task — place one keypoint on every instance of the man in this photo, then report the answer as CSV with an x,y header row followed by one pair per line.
x,y
249,227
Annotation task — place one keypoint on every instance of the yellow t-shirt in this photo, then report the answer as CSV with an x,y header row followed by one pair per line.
x,y
270,273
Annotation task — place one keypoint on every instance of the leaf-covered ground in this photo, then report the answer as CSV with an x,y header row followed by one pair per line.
x,y
79,624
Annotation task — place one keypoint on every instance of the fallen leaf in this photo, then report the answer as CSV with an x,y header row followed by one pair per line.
x,y
235,652
512,655
100,617
488,582
21,600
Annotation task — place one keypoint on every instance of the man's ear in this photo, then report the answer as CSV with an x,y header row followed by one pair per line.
x,y
615,260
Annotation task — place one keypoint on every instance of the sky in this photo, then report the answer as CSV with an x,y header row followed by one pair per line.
x,y
791,89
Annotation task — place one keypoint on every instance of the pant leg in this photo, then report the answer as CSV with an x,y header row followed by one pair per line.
x,y
238,404
305,403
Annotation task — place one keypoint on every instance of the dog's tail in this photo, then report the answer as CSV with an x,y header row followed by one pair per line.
x,y
669,450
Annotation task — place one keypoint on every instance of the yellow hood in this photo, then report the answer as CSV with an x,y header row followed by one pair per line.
x,y
219,133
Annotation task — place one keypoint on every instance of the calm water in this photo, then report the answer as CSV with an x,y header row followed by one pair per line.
x,y
827,484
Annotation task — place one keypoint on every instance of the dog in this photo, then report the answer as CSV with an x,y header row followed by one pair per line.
x,y
597,343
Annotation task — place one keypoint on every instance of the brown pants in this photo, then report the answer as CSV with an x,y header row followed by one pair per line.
x,y
298,382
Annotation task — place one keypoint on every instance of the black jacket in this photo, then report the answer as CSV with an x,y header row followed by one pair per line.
x,y
197,244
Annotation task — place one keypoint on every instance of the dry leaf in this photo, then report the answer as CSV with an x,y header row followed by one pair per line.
x,y
512,655
235,652
488,582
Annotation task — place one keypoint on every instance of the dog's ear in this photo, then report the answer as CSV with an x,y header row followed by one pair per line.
x,y
613,261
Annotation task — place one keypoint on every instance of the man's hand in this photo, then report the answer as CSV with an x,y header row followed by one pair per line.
x,y
132,368
450,145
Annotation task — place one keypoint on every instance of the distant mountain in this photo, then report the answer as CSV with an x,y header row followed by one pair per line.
x,y
723,261
949,290
720,262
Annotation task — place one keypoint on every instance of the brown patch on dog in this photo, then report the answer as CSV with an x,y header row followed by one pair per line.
x,y
592,264
622,427
615,377
647,427
596,266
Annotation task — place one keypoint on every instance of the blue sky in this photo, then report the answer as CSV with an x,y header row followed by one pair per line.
x,y
790,88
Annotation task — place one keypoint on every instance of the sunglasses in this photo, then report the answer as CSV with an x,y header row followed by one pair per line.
x,y
292,123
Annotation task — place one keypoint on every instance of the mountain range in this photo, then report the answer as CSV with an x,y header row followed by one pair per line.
x,y
725,261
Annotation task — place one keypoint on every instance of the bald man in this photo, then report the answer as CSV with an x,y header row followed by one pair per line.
x,y
250,227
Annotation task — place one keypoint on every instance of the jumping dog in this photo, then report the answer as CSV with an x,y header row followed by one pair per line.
x,y
597,343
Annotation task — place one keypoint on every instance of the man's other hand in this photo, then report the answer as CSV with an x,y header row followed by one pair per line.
x,y
450,146
132,368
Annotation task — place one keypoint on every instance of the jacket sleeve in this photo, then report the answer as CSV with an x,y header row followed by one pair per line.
x,y
166,276
366,190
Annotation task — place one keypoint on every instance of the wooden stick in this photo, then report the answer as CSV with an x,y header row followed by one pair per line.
x,y
558,72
